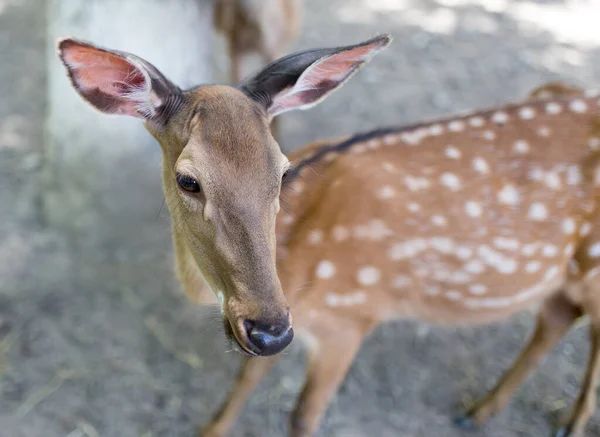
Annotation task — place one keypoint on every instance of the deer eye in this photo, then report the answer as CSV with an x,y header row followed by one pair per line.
x,y
285,174
188,183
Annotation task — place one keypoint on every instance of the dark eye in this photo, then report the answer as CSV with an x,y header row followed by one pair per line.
x,y
188,183
285,174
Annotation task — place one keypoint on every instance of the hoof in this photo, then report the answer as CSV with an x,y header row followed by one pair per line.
x,y
464,421
564,431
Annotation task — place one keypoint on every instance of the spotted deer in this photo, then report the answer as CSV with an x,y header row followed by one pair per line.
x,y
464,220
263,27
222,170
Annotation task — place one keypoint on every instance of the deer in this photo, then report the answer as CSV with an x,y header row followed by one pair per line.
x,y
222,170
263,27
464,220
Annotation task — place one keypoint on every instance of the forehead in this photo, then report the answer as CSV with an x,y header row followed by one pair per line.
x,y
230,137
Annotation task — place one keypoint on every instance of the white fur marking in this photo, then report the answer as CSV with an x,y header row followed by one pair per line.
x,y
473,208
480,165
451,181
325,270
509,195
537,211
368,275
453,153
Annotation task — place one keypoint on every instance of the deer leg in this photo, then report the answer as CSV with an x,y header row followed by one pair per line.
x,y
553,321
252,372
326,370
586,401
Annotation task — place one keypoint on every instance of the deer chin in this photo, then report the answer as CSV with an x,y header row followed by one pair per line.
x,y
236,344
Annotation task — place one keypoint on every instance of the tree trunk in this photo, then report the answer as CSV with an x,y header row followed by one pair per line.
x,y
102,171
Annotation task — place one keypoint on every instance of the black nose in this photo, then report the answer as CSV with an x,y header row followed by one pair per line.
x,y
268,339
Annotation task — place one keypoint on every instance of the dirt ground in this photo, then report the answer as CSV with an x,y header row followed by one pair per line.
x,y
99,341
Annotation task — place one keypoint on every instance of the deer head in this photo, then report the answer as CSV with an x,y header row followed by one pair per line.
x,y
222,169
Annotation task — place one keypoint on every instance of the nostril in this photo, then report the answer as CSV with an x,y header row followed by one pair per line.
x,y
268,339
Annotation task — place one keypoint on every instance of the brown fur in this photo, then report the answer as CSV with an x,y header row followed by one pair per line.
x,y
334,312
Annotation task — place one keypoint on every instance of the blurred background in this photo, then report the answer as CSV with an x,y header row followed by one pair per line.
x,y
96,337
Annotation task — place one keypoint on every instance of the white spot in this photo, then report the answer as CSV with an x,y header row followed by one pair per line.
x,y
401,281
553,108
533,266
386,192
497,260
451,181
500,117
315,236
378,230
585,229
537,211
526,113
569,226
334,299
473,208
594,250
368,275
489,135
413,207
549,250
287,219
325,270
552,180
594,143
543,131
591,93
442,244
536,174
508,195
476,121
438,220
464,252
475,267
578,106
521,146
221,299
477,289
413,137
373,144
436,129
452,152
569,249
389,167
416,183
453,295
456,126
480,165
390,140
340,233
529,249
503,243
574,176
407,249
358,148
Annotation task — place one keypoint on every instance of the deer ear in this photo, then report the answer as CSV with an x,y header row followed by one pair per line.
x,y
301,80
117,82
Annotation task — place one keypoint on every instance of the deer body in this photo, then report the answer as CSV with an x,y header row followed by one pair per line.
x,y
457,221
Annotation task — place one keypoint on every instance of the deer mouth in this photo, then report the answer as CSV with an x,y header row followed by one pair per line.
x,y
235,343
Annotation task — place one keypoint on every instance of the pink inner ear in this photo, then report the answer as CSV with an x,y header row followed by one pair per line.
x,y
321,78
106,80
